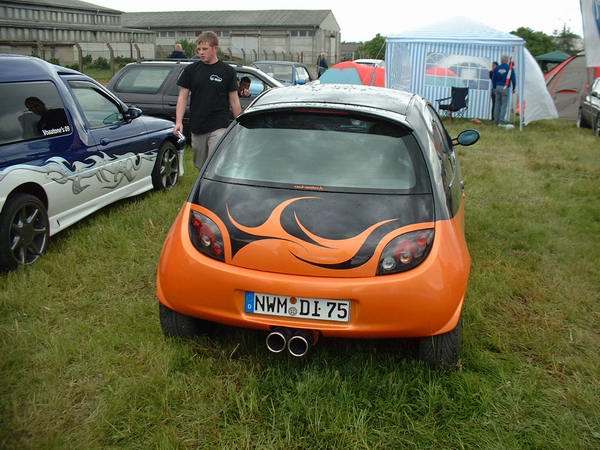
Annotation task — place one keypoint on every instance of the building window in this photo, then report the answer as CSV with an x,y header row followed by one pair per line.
x,y
171,34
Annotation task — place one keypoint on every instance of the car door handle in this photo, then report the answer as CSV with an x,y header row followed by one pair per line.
x,y
172,104
104,141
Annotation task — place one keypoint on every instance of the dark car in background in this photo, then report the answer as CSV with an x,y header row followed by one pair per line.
x,y
152,86
589,110
287,72
69,147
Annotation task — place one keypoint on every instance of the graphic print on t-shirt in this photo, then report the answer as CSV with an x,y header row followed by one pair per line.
x,y
216,78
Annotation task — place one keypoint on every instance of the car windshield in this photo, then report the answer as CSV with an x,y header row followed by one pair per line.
x,y
281,72
329,151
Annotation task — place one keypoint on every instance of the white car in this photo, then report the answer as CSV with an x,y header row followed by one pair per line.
x,y
370,62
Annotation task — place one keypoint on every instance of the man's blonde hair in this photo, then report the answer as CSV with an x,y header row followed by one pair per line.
x,y
208,37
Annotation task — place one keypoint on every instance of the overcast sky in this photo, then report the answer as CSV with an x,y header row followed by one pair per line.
x,y
359,23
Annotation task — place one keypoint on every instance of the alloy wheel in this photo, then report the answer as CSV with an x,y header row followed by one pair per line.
x,y
28,234
169,168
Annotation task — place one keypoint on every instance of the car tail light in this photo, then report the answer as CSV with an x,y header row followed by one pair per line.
x,y
405,252
205,236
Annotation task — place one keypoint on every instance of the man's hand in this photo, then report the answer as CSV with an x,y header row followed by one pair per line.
x,y
178,129
180,110
234,103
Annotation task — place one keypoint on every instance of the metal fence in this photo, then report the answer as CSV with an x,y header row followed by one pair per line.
x,y
78,56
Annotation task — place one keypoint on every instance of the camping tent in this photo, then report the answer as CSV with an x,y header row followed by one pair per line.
x,y
350,72
466,48
567,83
549,60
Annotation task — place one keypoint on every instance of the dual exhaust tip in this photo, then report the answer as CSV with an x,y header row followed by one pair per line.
x,y
297,342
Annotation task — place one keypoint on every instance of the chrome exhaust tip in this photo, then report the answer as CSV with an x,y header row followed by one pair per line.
x,y
299,344
276,341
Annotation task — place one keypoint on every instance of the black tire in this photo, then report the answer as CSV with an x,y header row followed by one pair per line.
x,y
166,168
24,231
175,324
581,123
597,126
442,350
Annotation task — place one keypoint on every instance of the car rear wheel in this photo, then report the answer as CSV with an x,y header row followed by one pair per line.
x,y
175,324
442,350
24,231
166,168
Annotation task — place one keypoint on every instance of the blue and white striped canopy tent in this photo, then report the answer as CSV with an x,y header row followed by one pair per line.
x,y
458,52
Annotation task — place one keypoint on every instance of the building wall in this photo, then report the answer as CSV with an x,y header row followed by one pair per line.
x,y
51,32
251,44
57,15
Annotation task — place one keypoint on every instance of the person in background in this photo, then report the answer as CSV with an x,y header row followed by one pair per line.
x,y
500,85
492,93
50,119
178,52
244,87
214,90
322,65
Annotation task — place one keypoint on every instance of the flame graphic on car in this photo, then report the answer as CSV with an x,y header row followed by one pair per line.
x,y
275,242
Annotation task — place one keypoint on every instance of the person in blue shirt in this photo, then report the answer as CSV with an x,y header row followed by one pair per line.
x,y
178,53
322,65
501,88
492,93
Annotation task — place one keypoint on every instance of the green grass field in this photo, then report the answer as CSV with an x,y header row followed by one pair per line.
x,y
84,364
102,76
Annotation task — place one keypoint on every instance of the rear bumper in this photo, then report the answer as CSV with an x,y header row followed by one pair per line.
x,y
424,301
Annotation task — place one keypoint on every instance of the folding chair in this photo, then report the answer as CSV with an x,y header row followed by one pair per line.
x,y
459,102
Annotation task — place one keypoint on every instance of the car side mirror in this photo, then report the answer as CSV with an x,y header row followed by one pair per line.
x,y
466,138
133,113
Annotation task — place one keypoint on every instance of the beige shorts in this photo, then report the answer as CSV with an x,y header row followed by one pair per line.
x,y
204,144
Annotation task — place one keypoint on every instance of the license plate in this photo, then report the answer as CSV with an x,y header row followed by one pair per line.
x,y
297,307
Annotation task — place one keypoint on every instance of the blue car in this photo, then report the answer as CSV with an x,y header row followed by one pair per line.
x,y
68,147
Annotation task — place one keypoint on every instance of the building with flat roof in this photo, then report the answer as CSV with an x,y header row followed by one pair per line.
x,y
64,29
248,35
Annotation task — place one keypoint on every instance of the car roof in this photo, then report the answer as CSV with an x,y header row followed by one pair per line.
x,y
250,69
283,63
186,61
367,60
336,94
29,68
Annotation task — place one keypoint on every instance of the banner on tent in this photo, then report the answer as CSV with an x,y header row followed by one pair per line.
x,y
590,12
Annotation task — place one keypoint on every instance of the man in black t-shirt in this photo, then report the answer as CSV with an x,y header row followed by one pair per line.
x,y
213,85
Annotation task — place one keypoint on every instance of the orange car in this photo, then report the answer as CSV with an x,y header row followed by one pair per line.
x,y
325,210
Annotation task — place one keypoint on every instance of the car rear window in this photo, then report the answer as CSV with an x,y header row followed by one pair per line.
x,y
317,150
143,80
281,72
